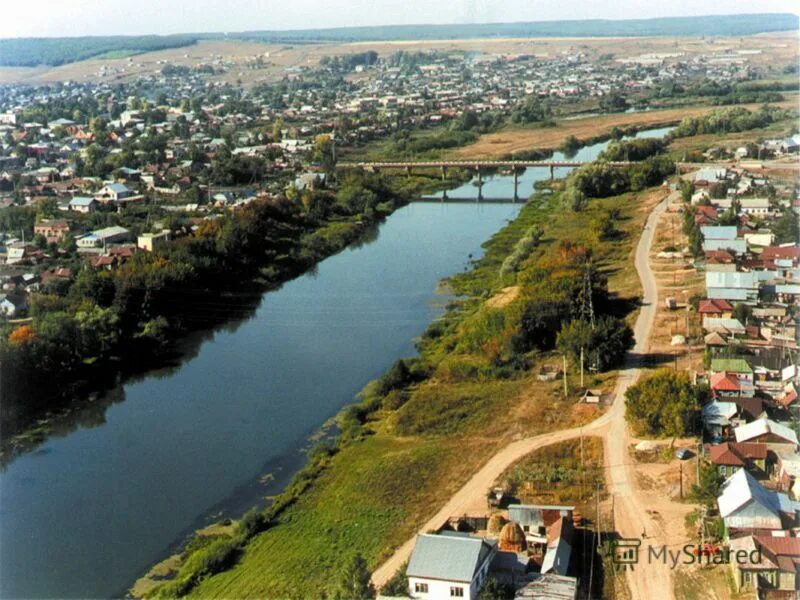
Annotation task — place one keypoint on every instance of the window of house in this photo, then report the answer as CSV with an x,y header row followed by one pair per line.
x,y
457,592
421,588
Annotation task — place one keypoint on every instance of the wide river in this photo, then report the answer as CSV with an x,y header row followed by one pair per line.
x,y
91,509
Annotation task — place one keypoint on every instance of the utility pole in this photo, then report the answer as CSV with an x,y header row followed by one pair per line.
x,y
581,367
566,389
597,508
697,462
702,527
583,469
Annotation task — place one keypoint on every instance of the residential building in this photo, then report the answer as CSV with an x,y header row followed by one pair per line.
x,y
449,565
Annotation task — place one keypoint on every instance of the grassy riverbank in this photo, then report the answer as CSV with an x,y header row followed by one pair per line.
x,y
422,430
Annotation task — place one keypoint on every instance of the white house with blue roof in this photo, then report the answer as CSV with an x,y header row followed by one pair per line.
x,y
449,565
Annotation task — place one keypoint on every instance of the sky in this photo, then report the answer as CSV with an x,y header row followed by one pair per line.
x,y
57,18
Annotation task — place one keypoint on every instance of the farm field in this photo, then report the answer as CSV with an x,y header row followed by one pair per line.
x,y
239,55
519,139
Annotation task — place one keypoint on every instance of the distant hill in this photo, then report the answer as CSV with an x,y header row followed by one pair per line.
x,y
57,51
729,25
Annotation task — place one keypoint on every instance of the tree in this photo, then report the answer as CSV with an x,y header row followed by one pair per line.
x,y
530,110
575,198
22,336
662,404
397,586
603,345
353,582
494,590
539,323
570,146
613,103
323,153
707,490
277,130
786,228
687,190
47,208
742,313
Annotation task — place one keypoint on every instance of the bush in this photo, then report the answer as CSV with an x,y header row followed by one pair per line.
x,y
253,522
662,404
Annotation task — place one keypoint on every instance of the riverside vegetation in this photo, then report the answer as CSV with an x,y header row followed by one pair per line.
x,y
420,430
88,327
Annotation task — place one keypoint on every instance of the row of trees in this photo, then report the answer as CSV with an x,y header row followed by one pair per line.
x,y
601,180
727,120
134,306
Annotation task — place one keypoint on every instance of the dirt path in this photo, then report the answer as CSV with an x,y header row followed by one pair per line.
x,y
633,510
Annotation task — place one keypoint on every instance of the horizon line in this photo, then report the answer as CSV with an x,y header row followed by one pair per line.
x,y
399,25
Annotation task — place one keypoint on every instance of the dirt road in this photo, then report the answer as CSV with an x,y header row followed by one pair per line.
x,y
630,506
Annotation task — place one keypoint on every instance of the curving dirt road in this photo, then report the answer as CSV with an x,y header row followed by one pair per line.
x,y
630,506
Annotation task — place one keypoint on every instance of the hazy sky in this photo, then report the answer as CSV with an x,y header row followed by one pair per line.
x,y
24,18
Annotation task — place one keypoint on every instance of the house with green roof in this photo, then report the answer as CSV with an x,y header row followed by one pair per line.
x,y
732,365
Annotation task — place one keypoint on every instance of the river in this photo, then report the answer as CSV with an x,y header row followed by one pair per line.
x,y
160,455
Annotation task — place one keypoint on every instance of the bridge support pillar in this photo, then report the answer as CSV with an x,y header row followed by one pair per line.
x,y
480,184
408,172
552,173
444,173
516,185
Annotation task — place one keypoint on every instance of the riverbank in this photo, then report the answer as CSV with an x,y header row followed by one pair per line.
x,y
424,428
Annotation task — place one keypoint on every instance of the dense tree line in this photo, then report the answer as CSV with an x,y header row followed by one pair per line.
x,y
348,62
135,306
30,52
727,120
634,150
600,180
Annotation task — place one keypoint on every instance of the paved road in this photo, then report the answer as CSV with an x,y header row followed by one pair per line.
x,y
630,514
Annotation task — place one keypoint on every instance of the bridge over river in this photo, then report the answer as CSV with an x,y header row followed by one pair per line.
x,y
515,166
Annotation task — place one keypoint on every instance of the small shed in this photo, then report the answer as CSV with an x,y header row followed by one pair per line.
x,y
592,396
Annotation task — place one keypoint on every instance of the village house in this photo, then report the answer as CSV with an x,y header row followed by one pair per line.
x,y
52,229
748,507
449,565
719,418
729,457
738,366
770,565
536,519
787,470
11,305
102,237
766,431
153,241
715,308
739,286
82,204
